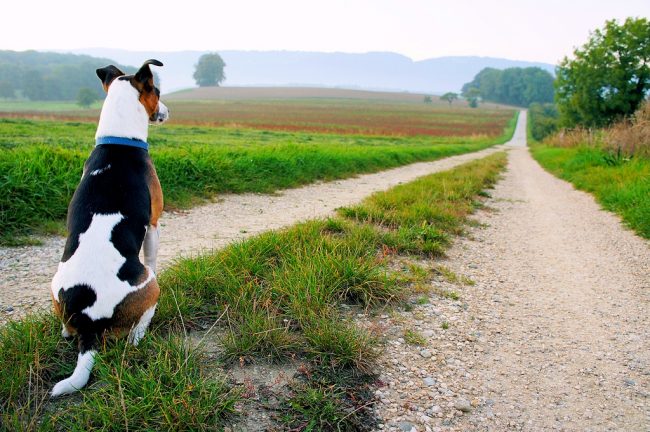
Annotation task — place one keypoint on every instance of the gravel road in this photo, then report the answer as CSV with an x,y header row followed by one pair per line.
x,y
555,333
26,272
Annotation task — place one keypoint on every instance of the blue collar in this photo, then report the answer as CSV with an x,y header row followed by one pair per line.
x,y
122,141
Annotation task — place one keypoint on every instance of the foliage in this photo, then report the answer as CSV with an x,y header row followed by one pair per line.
x,y
629,137
449,97
7,90
428,99
209,70
86,97
472,95
608,77
513,86
543,120
51,76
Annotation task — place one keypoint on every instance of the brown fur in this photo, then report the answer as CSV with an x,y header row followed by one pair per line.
x,y
155,192
58,311
128,311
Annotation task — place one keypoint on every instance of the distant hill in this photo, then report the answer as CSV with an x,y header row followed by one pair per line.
x,y
369,71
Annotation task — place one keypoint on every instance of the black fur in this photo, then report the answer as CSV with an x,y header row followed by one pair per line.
x,y
121,188
107,74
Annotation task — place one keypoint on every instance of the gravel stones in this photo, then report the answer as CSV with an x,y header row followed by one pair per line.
x,y
552,336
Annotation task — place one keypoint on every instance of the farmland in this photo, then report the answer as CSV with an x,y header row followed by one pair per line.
x,y
322,111
42,156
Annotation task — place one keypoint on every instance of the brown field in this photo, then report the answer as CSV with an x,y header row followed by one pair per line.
x,y
323,110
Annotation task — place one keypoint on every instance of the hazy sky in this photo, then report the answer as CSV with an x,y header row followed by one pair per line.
x,y
536,30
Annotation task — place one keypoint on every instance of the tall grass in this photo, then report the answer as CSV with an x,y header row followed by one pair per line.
x,y
41,163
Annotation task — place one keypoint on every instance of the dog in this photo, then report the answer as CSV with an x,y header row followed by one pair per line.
x,y
101,286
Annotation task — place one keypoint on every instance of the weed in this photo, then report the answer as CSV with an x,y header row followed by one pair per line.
x,y
412,337
452,277
444,325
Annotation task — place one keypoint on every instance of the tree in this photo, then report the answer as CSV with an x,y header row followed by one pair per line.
x,y
472,94
513,86
608,77
449,97
7,90
33,86
427,99
209,70
86,97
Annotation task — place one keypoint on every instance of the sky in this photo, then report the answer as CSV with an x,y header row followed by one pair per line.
x,y
533,30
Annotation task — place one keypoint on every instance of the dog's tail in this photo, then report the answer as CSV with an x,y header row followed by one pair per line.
x,y
88,343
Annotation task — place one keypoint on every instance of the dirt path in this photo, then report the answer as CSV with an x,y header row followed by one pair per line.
x,y
25,272
554,335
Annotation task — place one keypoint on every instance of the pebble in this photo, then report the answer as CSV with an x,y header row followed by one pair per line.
x,y
428,381
463,405
407,427
425,353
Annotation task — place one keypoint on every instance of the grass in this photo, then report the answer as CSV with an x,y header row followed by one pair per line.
x,y
412,337
41,162
613,164
452,277
274,296
619,185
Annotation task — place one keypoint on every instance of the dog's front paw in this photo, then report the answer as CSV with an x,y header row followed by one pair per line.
x,y
63,387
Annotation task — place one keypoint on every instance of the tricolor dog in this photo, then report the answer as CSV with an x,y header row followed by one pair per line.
x,y
101,286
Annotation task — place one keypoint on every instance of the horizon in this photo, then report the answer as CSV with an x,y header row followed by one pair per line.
x,y
515,30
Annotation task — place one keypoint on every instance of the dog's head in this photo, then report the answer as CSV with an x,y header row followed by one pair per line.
x,y
142,81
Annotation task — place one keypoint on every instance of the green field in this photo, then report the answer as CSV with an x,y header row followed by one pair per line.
x,y
41,162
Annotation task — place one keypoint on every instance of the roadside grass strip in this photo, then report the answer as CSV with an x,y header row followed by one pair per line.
x,y
620,185
291,293
41,163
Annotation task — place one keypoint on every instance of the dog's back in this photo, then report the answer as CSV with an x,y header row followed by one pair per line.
x,y
107,220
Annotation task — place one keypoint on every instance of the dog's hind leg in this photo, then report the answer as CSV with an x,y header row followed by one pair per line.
x,y
140,328
150,246
85,362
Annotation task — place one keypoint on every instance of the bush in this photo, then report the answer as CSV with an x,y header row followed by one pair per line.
x,y
543,120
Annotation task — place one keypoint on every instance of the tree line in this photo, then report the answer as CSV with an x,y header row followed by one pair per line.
x,y
512,86
50,76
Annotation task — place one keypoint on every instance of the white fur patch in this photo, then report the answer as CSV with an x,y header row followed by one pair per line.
x,y
96,263
122,113
101,170
141,328
79,377
150,246
163,113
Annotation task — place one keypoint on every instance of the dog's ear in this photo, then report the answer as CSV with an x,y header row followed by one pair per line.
x,y
108,74
144,74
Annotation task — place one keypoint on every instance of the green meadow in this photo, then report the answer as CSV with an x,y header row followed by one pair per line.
x,y
41,162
